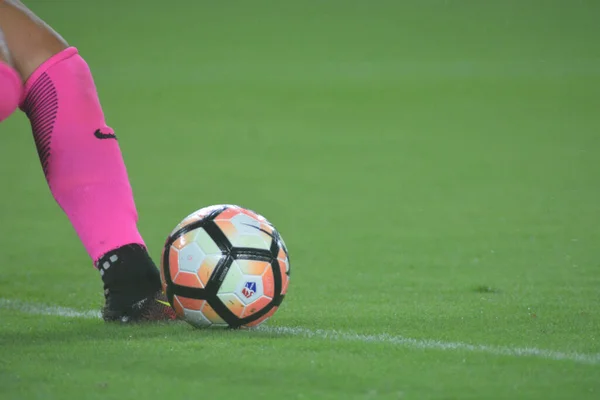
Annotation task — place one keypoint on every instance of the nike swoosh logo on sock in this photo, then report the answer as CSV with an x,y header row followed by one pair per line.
x,y
101,135
164,303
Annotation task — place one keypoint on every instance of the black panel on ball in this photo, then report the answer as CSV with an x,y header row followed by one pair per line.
x,y
189,292
277,280
218,275
172,289
218,236
230,254
243,253
224,312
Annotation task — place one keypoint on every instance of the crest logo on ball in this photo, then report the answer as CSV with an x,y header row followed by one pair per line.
x,y
249,289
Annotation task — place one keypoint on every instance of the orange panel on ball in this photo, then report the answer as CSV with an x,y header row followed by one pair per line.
x,y
252,267
188,279
184,239
256,306
261,319
173,262
207,267
266,227
284,284
284,278
232,302
228,214
251,214
268,282
212,315
281,255
190,304
227,228
178,307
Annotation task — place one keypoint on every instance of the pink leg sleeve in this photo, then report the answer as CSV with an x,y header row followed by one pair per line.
x,y
80,154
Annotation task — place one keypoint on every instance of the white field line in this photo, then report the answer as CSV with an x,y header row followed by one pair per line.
x,y
421,344
41,309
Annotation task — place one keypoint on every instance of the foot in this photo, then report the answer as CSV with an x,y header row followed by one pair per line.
x,y
132,288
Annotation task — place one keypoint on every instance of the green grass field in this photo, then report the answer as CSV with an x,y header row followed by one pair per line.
x,y
432,165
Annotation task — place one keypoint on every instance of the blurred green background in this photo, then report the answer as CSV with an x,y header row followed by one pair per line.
x,y
432,165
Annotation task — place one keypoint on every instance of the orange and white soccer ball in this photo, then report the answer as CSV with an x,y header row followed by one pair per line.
x,y
225,266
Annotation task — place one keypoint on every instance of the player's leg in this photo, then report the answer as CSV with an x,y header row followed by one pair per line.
x,y
11,88
82,161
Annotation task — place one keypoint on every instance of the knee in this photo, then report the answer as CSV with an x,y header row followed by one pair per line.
x,y
30,40
37,58
12,90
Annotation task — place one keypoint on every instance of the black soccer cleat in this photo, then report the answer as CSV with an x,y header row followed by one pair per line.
x,y
132,288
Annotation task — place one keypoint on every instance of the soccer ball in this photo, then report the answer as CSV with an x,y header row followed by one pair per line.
x,y
225,266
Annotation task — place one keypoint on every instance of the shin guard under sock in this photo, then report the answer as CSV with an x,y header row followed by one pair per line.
x,y
80,154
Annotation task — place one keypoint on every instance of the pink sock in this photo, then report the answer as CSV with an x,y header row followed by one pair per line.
x,y
80,154
11,90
